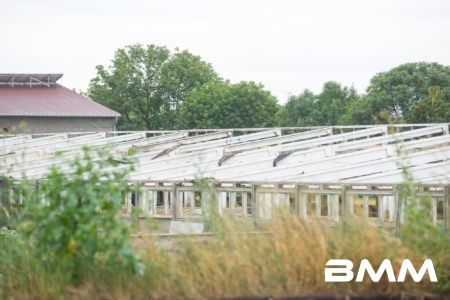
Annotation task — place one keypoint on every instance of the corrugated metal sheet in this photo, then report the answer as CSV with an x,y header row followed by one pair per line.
x,y
49,101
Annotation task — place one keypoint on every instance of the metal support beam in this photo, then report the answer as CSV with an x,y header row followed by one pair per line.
x,y
226,157
281,156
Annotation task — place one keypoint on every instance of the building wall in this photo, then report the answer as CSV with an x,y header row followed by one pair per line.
x,y
56,124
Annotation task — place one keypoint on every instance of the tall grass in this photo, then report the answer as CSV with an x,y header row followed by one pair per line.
x,y
286,259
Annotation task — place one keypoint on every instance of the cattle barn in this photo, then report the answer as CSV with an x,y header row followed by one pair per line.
x,y
36,103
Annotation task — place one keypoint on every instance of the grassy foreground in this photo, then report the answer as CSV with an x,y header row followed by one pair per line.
x,y
67,243
289,260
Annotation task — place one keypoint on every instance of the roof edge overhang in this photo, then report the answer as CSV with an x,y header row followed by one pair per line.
x,y
29,79
61,116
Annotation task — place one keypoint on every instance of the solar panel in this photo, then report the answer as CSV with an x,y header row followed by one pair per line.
x,y
18,79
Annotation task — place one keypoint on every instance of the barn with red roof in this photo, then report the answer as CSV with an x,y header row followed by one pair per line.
x,y
36,103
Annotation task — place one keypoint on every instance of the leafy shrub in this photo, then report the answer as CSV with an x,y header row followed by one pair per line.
x,y
70,220
420,235
6,233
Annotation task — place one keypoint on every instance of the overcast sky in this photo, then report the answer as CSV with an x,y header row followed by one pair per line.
x,y
287,45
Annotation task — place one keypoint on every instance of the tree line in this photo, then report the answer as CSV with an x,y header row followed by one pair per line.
x,y
156,89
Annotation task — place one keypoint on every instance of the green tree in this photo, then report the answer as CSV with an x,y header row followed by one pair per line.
x,y
71,221
394,92
327,108
434,108
299,110
146,85
333,101
182,73
357,113
226,105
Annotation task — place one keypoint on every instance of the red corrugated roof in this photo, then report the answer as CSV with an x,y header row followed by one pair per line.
x,y
50,101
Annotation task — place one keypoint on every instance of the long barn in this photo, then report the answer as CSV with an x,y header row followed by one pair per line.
x,y
319,173
37,103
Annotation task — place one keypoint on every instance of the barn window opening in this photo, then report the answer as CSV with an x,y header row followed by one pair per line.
x,y
373,206
311,205
440,210
324,206
159,199
358,205
198,200
133,198
238,200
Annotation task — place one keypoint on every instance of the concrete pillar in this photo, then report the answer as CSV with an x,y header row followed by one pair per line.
x,y
381,209
447,206
434,209
350,204
303,206
318,204
189,201
264,201
366,205
233,200
222,203
143,202
174,200
128,203
297,204
244,204
345,205
334,208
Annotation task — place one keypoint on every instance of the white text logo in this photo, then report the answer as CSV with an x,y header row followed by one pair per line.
x,y
341,271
